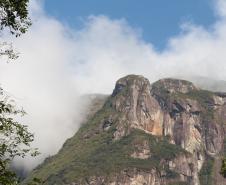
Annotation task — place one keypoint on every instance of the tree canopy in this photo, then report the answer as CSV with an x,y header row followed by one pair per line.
x,y
223,168
15,139
15,20
14,16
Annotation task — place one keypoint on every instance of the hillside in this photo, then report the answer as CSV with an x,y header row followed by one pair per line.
x,y
166,133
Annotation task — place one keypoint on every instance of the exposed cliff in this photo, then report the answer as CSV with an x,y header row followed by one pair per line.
x,y
166,133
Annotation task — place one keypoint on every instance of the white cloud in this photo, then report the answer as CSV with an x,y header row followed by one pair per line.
x,y
58,63
220,8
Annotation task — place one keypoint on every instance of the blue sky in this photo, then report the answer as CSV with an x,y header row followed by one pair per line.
x,y
158,19
96,52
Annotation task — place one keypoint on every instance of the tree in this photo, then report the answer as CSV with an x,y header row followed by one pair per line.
x,y
223,168
15,139
14,16
14,19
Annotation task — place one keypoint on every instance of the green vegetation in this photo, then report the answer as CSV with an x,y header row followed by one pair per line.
x,y
94,152
14,19
102,156
15,140
223,168
205,98
179,183
223,165
206,173
14,16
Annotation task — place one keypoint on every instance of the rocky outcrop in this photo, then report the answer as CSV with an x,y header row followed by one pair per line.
x,y
161,134
179,170
142,150
128,177
173,108
187,115
139,108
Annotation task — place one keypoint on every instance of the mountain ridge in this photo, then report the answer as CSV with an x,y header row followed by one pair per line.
x,y
161,133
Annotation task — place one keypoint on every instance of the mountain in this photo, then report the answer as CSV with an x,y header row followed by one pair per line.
x,y
207,83
166,133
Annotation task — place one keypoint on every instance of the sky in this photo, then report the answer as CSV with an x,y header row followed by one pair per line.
x,y
65,55
156,19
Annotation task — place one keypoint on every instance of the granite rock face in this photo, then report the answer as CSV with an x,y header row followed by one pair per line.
x,y
139,108
173,108
190,117
165,133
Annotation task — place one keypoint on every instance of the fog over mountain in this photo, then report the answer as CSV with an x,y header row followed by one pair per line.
x,y
58,64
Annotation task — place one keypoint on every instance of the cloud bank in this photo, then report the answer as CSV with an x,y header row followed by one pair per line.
x,y
57,64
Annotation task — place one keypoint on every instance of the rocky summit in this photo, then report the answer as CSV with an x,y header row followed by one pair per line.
x,y
166,133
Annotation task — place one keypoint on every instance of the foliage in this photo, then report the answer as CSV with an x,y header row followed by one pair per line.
x,y
13,18
223,168
92,153
7,50
205,98
206,173
223,164
179,183
15,139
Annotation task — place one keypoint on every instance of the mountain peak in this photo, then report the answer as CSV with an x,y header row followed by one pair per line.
x,y
132,97
175,85
167,133
129,81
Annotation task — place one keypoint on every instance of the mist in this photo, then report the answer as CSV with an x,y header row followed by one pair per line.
x,y
58,64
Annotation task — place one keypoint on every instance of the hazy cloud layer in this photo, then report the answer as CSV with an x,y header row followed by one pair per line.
x,y
58,63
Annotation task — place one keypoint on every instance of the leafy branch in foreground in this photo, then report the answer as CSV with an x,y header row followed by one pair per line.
x,y
15,140
7,50
13,19
14,16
